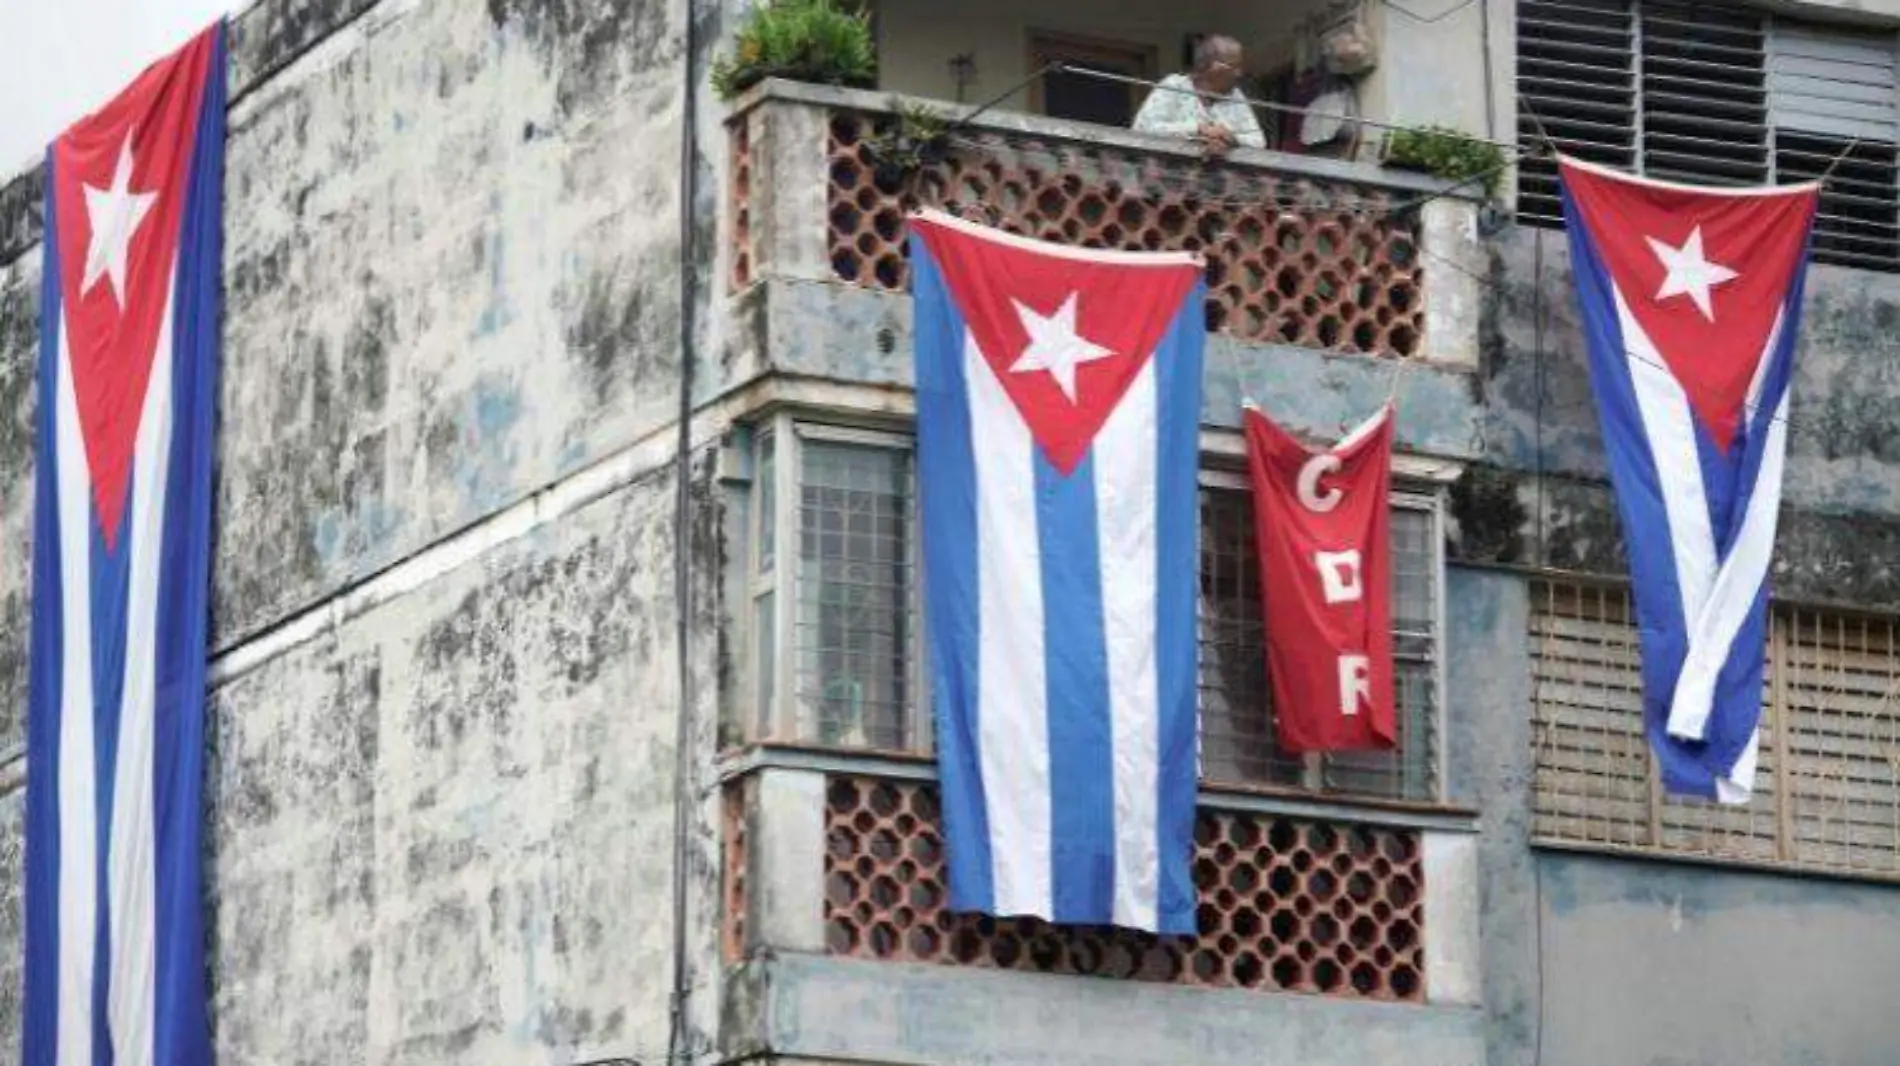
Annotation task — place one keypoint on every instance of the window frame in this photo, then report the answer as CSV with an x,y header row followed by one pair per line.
x,y
788,725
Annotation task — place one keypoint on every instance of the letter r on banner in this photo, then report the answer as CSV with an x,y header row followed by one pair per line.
x,y
1355,683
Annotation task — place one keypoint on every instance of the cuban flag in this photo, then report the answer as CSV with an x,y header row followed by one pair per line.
x,y
1058,424
1691,305
115,971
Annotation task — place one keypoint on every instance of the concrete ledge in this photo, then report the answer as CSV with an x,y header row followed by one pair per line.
x,y
819,1008
1002,120
842,333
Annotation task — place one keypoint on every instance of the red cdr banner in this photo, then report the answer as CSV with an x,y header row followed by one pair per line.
x,y
1323,532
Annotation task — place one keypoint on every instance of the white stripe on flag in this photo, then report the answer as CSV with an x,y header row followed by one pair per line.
x,y
1712,630
1126,488
1739,785
1713,640
1670,427
1012,701
78,906
131,875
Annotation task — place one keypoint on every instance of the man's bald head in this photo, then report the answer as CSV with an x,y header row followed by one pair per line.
x,y
1217,60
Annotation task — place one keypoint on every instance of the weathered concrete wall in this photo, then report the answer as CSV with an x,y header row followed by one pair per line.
x,y
445,834
452,273
875,1012
443,829
1489,768
1643,962
1652,963
1840,530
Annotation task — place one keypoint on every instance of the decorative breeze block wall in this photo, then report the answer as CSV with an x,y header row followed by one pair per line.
x,y
1286,905
1290,258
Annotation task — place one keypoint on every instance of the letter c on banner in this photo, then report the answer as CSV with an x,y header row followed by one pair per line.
x,y
1316,468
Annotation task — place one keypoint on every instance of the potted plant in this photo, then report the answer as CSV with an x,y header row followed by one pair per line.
x,y
827,42
1448,154
918,137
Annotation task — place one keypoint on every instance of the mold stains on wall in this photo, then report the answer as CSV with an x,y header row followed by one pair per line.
x,y
1487,519
19,408
593,45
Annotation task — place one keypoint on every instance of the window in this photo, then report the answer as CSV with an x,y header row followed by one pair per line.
x,y
1827,789
1237,728
1060,94
846,597
1717,94
836,628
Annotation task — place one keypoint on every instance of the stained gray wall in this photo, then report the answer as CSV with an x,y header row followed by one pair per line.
x,y
1543,455
1644,963
441,829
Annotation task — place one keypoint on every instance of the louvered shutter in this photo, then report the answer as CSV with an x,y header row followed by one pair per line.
x,y
1576,80
1717,94
1833,91
1704,94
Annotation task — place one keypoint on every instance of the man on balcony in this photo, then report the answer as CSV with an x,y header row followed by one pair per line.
x,y
1205,104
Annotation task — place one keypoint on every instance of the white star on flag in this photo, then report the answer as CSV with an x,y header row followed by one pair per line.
x,y
1055,346
1690,272
114,215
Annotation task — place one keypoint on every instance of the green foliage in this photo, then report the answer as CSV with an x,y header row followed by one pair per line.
x,y
1447,153
919,138
823,41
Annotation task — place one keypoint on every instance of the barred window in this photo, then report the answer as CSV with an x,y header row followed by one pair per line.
x,y
835,547
1827,787
1238,743
1719,94
837,638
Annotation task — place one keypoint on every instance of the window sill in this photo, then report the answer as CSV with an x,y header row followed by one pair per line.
x,y
1445,818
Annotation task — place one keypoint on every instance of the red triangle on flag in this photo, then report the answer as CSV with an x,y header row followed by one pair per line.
x,y
1065,330
1704,272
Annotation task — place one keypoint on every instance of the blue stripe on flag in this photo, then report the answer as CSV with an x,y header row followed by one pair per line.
x,y
946,461
39,1039
111,574
182,1032
1081,752
1177,529
1719,472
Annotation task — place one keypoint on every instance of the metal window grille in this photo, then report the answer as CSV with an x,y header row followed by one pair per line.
x,y
1237,727
855,614
1717,94
1827,792
844,638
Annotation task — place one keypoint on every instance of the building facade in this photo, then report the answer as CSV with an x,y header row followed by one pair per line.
x,y
568,699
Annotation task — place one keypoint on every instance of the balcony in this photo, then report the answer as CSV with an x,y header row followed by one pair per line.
x,y
1332,898
1319,253
834,892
